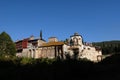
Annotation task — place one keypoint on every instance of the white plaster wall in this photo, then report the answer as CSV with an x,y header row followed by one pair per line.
x,y
90,53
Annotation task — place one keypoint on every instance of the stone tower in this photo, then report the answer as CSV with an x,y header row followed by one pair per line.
x,y
76,40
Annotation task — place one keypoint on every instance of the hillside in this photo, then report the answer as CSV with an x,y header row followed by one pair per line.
x,y
109,47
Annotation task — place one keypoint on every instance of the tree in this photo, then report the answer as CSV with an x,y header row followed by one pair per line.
x,y
66,41
7,46
109,47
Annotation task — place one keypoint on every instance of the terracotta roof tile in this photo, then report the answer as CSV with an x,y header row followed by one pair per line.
x,y
52,44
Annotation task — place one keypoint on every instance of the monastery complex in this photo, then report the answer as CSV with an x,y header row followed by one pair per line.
x,y
74,48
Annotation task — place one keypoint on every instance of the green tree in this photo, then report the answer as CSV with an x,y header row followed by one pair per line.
x,y
66,41
7,46
109,47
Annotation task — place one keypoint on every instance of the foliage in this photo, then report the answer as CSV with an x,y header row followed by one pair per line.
x,y
114,59
7,46
53,69
66,41
25,61
109,47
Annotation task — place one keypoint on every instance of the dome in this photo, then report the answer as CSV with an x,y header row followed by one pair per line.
x,y
76,34
76,39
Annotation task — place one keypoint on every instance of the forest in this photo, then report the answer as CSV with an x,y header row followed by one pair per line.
x,y
109,47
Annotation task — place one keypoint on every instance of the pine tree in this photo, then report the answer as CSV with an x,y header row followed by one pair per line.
x,y
7,46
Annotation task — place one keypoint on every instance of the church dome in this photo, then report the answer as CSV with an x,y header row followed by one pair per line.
x,y
76,39
76,34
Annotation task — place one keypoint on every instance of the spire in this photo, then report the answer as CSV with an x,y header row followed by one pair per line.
x,y
40,34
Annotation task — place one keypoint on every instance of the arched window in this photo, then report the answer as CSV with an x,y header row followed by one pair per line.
x,y
33,53
30,52
71,42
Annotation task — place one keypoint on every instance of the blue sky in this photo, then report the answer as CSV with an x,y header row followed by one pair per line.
x,y
95,20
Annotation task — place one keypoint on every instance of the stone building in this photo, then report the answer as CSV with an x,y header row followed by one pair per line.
x,y
52,49
27,47
75,48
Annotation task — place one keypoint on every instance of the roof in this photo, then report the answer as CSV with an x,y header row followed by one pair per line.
x,y
22,40
52,37
75,34
43,40
33,40
52,44
29,40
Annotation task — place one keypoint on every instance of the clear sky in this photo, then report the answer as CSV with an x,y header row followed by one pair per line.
x,y
95,20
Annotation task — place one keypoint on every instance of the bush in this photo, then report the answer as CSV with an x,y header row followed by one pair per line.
x,y
25,61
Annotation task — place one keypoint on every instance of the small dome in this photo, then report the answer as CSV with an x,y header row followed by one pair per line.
x,y
76,34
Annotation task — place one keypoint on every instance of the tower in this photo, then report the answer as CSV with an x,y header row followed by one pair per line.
x,y
76,39
40,34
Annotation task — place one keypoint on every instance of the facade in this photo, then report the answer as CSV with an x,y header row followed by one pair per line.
x,y
51,49
75,48
27,47
21,44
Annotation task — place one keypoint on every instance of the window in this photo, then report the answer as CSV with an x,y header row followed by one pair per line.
x,y
88,48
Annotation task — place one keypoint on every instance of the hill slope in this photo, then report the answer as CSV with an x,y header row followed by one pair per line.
x,y
109,47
